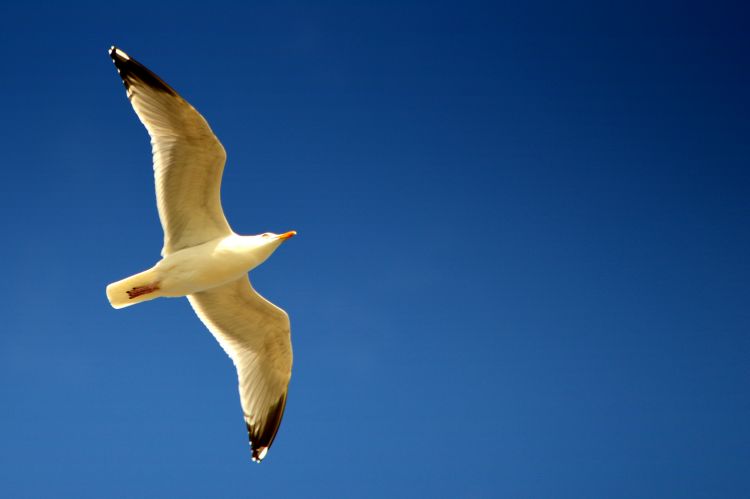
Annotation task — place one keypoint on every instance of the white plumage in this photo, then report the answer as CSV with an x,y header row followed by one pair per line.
x,y
202,257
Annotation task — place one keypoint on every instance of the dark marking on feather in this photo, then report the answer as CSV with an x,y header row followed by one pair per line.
x,y
133,72
262,436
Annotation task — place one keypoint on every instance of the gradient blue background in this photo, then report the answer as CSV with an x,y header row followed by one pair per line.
x,y
521,270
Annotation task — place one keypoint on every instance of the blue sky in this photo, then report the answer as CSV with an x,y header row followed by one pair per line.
x,y
522,262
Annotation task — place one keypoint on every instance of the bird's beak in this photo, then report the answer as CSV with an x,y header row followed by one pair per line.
x,y
287,235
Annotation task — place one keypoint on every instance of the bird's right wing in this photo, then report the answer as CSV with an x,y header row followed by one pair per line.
x,y
255,333
188,158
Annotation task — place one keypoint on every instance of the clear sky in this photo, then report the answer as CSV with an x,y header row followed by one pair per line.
x,y
521,269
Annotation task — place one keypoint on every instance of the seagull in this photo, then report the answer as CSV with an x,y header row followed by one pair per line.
x,y
202,257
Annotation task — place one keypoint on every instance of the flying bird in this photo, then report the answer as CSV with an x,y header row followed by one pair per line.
x,y
202,257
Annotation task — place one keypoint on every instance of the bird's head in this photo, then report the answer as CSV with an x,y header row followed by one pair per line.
x,y
271,241
271,238
263,245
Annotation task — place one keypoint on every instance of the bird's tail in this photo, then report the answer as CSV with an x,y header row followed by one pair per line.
x,y
134,289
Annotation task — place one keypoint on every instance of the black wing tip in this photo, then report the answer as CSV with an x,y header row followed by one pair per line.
x,y
259,454
133,72
119,57
262,437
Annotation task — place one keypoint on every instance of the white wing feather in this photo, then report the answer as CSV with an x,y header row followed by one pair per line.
x,y
188,158
255,333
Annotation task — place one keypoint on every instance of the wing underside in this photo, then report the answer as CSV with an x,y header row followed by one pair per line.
x,y
188,158
255,334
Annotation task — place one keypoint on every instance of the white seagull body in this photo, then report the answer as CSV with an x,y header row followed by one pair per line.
x,y
202,257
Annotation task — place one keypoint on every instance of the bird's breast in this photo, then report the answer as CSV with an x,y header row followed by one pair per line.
x,y
202,267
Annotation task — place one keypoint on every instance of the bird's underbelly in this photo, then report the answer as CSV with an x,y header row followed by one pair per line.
x,y
192,270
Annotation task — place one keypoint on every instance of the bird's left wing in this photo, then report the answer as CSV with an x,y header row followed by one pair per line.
x,y
255,333
188,158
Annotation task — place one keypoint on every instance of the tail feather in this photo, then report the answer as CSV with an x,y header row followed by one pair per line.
x,y
134,289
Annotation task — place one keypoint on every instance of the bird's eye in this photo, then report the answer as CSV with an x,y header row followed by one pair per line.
x,y
265,235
